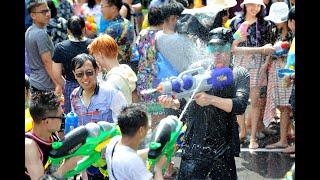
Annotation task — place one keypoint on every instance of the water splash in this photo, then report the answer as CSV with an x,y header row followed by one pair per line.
x,y
191,98
148,91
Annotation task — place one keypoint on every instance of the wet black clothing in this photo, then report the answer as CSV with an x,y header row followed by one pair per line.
x,y
212,135
44,149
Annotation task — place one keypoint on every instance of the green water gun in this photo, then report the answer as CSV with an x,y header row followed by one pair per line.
x,y
87,141
164,140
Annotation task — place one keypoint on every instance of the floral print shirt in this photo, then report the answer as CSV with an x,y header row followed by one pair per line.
x,y
121,30
147,72
57,29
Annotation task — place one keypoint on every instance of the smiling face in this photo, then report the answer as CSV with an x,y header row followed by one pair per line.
x,y
86,76
253,9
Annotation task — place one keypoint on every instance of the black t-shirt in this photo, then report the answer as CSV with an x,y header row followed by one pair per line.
x,y
65,51
212,132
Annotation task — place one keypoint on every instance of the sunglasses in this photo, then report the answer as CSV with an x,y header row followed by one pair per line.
x,y
87,73
213,48
63,117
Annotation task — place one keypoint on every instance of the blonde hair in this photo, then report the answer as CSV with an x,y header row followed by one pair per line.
x,y
104,44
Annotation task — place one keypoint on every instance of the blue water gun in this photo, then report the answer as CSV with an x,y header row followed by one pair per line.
x,y
197,79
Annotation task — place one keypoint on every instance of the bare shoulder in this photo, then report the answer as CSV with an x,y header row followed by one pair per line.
x,y
29,144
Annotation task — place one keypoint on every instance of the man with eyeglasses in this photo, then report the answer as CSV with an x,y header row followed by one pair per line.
x,y
47,116
39,48
94,100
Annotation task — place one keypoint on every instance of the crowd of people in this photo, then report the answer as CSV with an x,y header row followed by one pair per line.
x,y
99,56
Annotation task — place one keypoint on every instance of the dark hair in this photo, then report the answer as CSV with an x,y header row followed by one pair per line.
x,y
291,14
155,15
43,103
91,3
185,3
260,14
75,25
131,118
80,59
172,8
118,3
218,19
52,8
35,3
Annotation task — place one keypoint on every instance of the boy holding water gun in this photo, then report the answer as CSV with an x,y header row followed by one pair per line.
x,y
122,154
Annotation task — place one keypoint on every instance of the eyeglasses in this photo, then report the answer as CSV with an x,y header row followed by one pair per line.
x,y
63,117
81,74
43,12
103,6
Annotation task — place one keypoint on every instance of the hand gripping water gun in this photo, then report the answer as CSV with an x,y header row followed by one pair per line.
x,y
186,83
281,48
242,29
163,140
290,66
86,141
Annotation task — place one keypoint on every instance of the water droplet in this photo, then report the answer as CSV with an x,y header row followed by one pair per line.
x,y
148,91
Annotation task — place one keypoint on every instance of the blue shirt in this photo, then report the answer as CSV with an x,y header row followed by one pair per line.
x,y
105,104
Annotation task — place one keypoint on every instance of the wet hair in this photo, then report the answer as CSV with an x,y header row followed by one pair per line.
x,y
79,60
155,15
117,3
34,4
43,103
131,118
104,44
52,8
218,19
172,9
76,24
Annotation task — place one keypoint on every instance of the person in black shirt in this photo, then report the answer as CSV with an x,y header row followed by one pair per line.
x,y
212,137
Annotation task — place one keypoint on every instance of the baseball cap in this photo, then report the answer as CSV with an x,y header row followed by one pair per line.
x,y
278,10
220,35
290,15
253,2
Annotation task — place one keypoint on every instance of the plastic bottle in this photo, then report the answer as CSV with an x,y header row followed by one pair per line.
x,y
71,122
242,29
